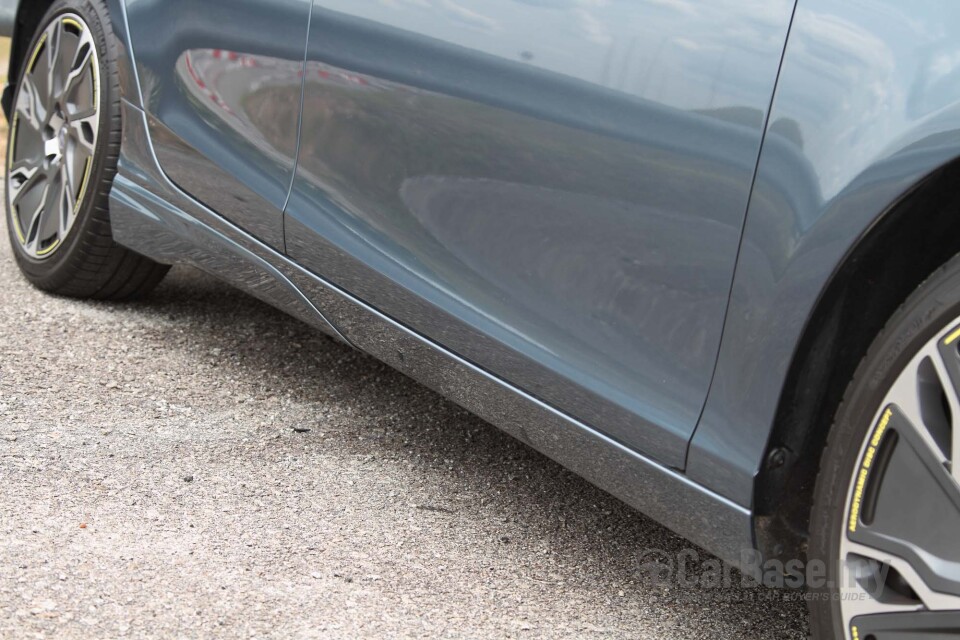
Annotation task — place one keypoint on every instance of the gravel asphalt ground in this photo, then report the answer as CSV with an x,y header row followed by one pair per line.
x,y
198,464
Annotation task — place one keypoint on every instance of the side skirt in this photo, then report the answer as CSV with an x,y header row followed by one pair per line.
x,y
152,216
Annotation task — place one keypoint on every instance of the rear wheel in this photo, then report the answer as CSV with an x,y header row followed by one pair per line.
x,y
61,160
886,513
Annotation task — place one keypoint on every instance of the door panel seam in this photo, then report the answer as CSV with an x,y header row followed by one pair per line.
x,y
743,227
296,157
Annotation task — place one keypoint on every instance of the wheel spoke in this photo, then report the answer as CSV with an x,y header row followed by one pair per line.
x,y
67,204
80,66
863,571
33,228
24,175
866,570
50,222
83,125
948,368
28,103
920,393
67,176
85,114
24,166
54,36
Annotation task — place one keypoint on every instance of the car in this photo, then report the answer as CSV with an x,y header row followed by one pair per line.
x,y
704,253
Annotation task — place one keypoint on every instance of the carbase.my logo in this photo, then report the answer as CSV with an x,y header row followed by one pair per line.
x,y
689,569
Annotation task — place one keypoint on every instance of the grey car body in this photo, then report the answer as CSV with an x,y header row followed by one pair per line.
x,y
641,236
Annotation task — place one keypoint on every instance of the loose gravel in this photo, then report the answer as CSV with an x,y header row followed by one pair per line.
x,y
198,464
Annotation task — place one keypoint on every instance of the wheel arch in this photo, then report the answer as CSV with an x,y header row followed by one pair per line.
x,y
894,251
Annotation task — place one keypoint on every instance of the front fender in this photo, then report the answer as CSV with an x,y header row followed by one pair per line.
x,y
867,105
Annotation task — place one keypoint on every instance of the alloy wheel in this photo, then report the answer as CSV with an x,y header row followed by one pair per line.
x,y
53,135
899,565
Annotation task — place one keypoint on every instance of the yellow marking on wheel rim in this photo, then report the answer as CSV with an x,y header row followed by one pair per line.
x,y
73,22
53,246
952,337
36,53
16,228
865,469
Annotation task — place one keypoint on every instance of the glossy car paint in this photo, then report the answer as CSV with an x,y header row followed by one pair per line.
x,y
153,215
560,206
868,104
222,79
814,199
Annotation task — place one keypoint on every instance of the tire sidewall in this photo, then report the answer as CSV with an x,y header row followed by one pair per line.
x,y
928,311
50,273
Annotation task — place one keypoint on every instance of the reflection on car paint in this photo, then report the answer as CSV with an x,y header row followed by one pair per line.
x,y
223,96
539,216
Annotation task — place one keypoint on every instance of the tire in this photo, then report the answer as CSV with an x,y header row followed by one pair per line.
x,y
80,258
876,443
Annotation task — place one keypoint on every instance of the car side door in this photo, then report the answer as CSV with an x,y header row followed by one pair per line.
x,y
553,190
221,84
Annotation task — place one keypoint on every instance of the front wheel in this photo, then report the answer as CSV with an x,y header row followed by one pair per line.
x,y
886,514
62,157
